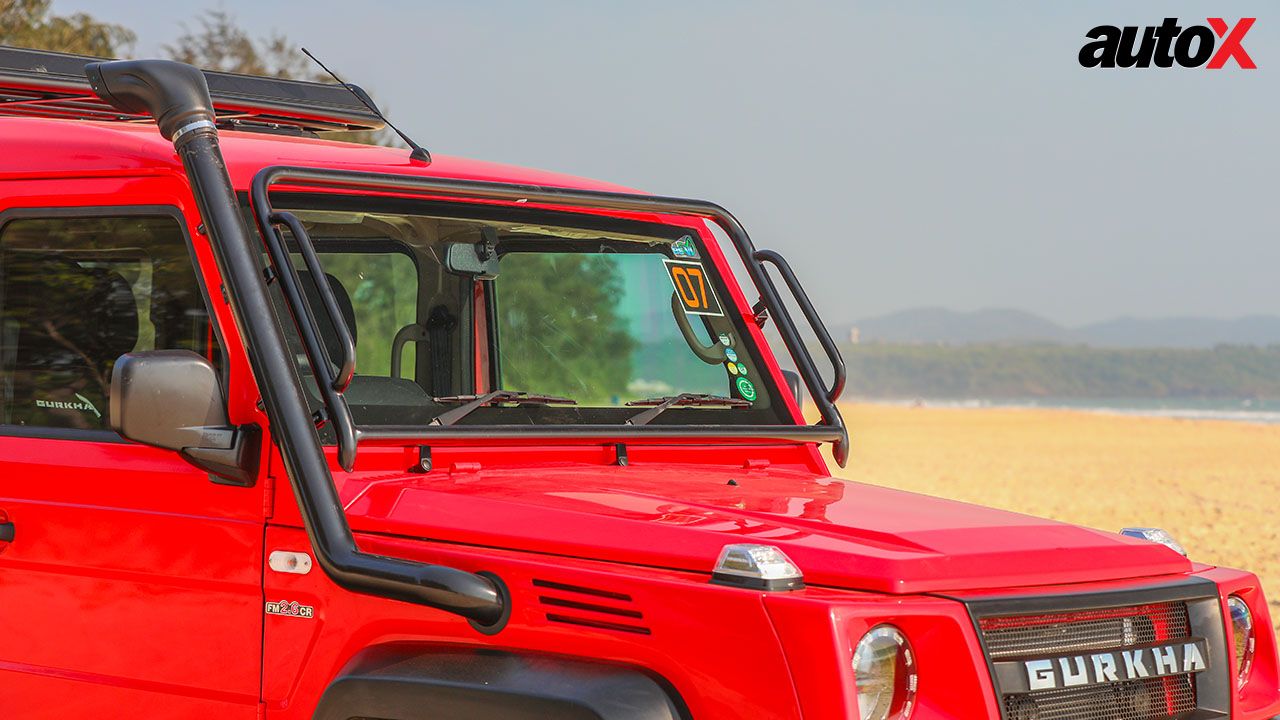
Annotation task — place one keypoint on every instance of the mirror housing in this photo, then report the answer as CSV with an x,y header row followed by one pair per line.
x,y
797,389
172,399
478,259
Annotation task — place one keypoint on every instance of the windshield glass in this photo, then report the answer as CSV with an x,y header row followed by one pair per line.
x,y
595,320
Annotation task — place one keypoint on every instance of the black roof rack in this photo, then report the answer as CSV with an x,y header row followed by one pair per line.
x,y
36,83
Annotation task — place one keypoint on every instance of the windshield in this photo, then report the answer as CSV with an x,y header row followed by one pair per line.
x,y
527,317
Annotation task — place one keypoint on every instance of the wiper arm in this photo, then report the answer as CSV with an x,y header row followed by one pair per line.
x,y
662,404
497,397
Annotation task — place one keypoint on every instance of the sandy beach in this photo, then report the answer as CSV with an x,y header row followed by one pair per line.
x,y
1213,484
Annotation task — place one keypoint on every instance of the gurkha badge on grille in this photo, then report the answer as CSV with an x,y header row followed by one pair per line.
x,y
1111,667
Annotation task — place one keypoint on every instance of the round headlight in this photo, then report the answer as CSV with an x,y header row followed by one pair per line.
x,y
884,673
1242,632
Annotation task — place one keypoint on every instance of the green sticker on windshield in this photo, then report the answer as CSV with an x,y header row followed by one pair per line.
x,y
746,389
683,248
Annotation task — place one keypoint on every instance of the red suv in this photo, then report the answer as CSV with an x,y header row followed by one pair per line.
x,y
297,428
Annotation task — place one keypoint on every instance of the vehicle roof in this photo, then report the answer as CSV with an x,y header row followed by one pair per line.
x,y
47,146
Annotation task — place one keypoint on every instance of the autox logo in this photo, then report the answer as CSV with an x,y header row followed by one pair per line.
x,y
1168,43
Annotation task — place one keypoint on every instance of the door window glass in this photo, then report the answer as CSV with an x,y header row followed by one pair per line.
x,y
77,293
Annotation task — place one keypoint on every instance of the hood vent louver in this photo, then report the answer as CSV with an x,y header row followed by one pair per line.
x,y
589,607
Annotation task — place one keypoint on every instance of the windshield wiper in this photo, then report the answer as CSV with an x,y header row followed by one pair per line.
x,y
661,404
497,397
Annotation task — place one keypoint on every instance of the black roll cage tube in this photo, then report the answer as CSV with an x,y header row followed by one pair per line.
x,y
331,384
177,95
830,429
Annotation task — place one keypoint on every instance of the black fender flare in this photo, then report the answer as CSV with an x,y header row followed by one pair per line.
x,y
413,683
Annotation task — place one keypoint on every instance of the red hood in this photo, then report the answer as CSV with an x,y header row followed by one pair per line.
x,y
841,534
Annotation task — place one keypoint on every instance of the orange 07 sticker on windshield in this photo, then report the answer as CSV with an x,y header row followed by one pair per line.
x,y
693,287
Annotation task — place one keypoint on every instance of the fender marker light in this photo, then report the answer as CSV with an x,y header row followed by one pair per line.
x,y
759,567
284,561
1155,535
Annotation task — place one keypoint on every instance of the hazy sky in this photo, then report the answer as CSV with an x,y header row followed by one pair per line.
x,y
900,154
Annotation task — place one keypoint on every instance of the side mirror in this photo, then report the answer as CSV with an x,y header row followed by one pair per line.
x,y
172,399
793,382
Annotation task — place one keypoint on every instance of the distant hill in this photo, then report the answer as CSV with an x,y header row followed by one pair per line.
x,y
937,325
1075,371
1190,332
1015,327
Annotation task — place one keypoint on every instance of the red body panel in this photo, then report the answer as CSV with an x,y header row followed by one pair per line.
x,y
663,510
89,149
132,581
135,586
713,643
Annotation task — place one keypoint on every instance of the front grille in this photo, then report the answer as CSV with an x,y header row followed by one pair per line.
x,y
1073,632
1170,697
1019,635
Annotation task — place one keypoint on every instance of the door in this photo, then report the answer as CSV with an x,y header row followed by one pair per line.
x,y
131,585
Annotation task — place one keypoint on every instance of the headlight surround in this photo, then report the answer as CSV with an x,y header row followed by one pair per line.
x,y
1243,635
884,673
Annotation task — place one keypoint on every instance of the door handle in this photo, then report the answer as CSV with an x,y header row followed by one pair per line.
x,y
6,532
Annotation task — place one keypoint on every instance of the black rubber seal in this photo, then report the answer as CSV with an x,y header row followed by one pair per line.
x,y
504,598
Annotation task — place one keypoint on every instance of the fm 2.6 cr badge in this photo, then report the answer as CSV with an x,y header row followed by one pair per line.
x,y
290,609
1167,44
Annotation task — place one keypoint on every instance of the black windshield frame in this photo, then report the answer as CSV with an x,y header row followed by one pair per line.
x,y
831,428
374,418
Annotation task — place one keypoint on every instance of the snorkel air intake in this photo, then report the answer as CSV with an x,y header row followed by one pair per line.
x,y
177,96
174,93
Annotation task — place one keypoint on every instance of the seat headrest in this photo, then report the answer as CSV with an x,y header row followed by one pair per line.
x,y
327,332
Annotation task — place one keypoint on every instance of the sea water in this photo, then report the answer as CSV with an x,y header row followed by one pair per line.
x,y
1237,410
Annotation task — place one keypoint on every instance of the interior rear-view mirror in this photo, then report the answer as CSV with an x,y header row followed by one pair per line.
x,y
479,259
172,399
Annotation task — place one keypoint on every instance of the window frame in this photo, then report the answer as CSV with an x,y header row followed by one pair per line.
x,y
307,200
390,246
108,212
